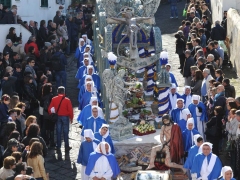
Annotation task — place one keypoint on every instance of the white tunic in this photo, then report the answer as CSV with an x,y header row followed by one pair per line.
x,y
102,169
201,126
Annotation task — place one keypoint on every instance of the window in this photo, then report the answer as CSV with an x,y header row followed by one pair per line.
x,y
6,3
44,3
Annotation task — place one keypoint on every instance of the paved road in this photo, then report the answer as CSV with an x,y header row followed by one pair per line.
x,y
63,166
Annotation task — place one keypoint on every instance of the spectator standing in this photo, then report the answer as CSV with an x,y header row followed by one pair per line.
x,y
9,164
30,70
174,9
1,11
207,12
43,33
32,42
229,89
32,29
63,33
205,83
12,35
8,49
72,32
218,33
189,61
9,17
57,18
206,26
8,83
18,47
219,99
196,83
65,116
60,72
180,47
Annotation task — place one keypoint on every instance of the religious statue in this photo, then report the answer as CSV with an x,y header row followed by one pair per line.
x,y
171,145
133,27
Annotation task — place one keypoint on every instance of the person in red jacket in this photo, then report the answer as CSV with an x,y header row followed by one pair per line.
x,y
32,42
65,114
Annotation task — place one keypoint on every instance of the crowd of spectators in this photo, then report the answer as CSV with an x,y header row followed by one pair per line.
x,y
31,75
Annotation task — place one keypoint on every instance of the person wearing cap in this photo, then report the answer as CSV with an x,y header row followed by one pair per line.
x,y
32,42
187,97
187,135
173,96
86,111
87,147
102,164
227,173
65,116
199,114
171,75
189,61
95,78
82,70
206,165
103,136
94,122
193,151
171,138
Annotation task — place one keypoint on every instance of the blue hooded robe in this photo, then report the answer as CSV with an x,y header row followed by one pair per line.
x,y
193,151
90,124
188,142
108,139
96,80
175,114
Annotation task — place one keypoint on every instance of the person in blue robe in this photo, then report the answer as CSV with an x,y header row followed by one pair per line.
x,y
199,114
188,140
187,96
227,173
173,96
82,70
95,77
86,97
86,148
87,111
94,122
171,76
80,50
180,115
83,88
89,56
103,136
88,42
206,165
105,163
193,151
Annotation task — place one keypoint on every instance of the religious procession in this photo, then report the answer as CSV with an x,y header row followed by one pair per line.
x,y
137,120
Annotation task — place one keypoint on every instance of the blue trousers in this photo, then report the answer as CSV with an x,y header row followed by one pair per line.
x,y
174,10
61,78
63,124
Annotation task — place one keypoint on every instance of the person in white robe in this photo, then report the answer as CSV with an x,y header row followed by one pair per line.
x,y
187,96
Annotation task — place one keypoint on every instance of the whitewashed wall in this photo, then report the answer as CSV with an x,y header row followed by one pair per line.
x,y
19,29
233,33
31,10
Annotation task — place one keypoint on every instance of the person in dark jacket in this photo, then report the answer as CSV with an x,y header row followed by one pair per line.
x,y
9,17
1,11
8,49
61,76
12,35
218,33
12,146
33,132
219,99
229,89
72,32
180,47
57,18
189,61
19,82
43,34
206,26
201,63
8,82
216,120
196,83
5,101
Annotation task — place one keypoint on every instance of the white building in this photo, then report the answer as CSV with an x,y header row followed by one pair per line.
x,y
36,10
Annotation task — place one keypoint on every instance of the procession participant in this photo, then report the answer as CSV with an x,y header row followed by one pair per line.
x,y
206,165
193,151
199,114
103,136
79,51
173,96
188,135
177,115
89,56
173,144
171,75
187,96
88,42
102,164
94,122
82,89
89,92
227,173
82,70
87,147
87,111
95,77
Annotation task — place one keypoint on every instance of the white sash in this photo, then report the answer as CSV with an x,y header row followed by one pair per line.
x,y
173,100
207,168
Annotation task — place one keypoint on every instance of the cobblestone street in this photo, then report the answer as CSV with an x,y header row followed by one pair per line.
x,y
63,166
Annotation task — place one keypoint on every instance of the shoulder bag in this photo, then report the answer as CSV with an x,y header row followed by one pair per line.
x,y
54,116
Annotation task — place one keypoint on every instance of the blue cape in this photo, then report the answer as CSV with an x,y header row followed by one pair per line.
x,y
192,109
108,139
187,139
81,72
79,55
175,114
96,80
170,105
173,80
86,148
89,124
84,114
111,159
193,151
197,165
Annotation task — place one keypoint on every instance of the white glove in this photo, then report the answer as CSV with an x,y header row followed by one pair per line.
x,y
52,110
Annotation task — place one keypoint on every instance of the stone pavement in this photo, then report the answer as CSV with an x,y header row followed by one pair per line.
x,y
63,166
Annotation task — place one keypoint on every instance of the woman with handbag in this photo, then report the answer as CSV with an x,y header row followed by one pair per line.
x,y
214,129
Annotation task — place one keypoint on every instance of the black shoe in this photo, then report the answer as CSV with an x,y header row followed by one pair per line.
x,y
68,148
